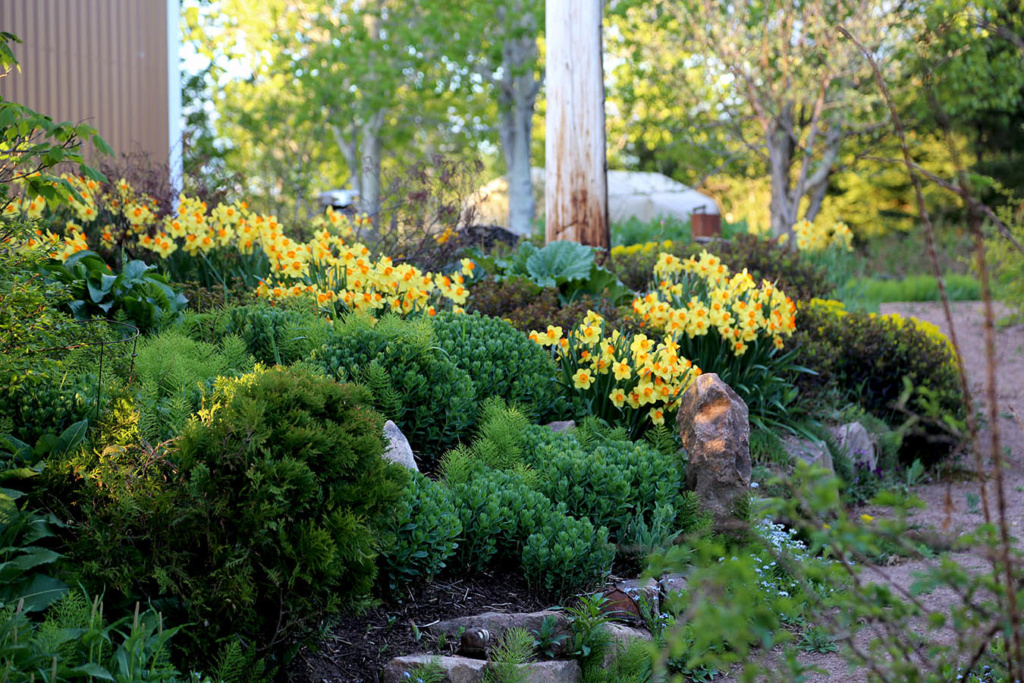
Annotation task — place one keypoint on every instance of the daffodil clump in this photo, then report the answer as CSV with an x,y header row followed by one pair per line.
x,y
700,303
343,277
631,380
817,237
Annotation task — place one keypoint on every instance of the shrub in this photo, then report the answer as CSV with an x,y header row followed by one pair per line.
x,y
892,366
262,519
419,535
566,556
501,361
432,400
527,307
274,335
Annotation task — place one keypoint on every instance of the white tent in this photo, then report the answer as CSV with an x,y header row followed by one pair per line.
x,y
631,194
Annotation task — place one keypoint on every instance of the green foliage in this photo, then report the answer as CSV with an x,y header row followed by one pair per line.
x,y
419,535
566,556
262,519
547,641
509,656
895,368
631,663
431,672
587,620
50,400
25,585
569,266
144,295
917,288
74,641
1006,260
501,361
273,335
438,398
175,372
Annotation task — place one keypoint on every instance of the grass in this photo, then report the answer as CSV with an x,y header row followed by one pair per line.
x,y
914,288
635,231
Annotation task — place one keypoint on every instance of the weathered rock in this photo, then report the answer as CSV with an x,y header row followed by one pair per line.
x,y
814,453
463,670
562,425
620,638
714,426
672,583
497,622
621,606
399,451
457,669
648,591
857,443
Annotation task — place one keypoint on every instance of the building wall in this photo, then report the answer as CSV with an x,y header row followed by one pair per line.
x,y
101,62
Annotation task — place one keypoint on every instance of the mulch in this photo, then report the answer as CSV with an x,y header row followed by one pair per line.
x,y
359,645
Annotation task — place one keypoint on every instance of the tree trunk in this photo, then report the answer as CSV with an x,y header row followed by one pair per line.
x,y
369,166
780,161
521,208
576,177
350,150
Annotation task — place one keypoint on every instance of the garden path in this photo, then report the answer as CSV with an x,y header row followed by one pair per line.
x,y
950,504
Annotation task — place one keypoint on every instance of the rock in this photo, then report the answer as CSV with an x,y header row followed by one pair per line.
x,y
714,426
558,671
457,669
399,451
814,453
857,443
561,425
672,583
462,670
621,636
648,591
497,622
621,606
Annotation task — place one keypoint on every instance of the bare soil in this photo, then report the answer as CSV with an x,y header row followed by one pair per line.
x,y
358,645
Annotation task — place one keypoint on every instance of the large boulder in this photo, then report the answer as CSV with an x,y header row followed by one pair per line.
x,y
714,425
857,443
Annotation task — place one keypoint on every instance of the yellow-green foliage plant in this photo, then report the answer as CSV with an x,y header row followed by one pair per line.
x,y
263,518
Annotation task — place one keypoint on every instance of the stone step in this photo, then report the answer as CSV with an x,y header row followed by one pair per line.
x,y
465,670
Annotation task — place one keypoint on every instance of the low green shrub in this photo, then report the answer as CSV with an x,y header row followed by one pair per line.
x,y
565,555
276,335
262,519
502,361
895,368
419,535
428,396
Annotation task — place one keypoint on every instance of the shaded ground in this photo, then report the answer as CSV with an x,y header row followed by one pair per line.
x,y
952,505
358,646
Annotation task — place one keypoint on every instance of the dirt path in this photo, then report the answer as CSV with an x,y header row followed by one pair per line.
x,y
951,506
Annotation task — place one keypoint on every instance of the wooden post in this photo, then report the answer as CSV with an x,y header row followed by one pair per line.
x,y
576,173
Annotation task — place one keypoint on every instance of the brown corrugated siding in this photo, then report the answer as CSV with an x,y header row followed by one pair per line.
x,y
101,62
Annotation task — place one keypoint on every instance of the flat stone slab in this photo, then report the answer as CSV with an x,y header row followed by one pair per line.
x,y
464,670
498,622
621,636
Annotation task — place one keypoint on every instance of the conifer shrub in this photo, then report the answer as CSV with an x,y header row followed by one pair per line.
x,y
262,518
419,534
414,382
501,360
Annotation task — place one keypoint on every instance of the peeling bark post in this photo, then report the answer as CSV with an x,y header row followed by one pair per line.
x,y
576,174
